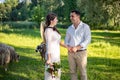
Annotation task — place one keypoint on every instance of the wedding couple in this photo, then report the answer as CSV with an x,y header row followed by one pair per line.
x,y
77,38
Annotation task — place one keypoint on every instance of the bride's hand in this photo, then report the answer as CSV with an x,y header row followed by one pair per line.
x,y
48,62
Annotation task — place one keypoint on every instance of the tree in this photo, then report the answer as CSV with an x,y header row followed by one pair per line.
x,y
37,14
21,11
6,8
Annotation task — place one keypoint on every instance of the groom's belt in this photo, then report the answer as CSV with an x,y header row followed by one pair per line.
x,y
81,50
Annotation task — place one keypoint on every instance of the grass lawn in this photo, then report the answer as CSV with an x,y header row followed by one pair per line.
x,y
103,56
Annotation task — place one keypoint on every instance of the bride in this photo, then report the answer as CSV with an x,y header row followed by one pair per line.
x,y
52,38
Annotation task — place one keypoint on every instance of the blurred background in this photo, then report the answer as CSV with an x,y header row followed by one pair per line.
x,y
99,14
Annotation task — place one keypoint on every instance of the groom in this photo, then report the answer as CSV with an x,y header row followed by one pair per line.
x,y
78,36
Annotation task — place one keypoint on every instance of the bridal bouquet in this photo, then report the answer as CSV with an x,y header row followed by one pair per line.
x,y
53,69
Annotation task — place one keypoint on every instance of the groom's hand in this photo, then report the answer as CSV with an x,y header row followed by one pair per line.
x,y
74,49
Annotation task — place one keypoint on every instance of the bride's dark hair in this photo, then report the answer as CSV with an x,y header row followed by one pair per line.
x,y
49,18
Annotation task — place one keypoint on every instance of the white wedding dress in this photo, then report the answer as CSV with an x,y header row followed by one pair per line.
x,y
53,48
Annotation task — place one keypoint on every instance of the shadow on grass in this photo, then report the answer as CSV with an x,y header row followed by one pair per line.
x,y
26,69
65,68
98,68
29,67
29,32
106,34
112,38
103,68
8,76
24,32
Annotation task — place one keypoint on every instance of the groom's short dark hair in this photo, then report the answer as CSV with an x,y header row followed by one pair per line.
x,y
76,12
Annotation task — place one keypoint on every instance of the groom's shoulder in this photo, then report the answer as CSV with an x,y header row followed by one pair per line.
x,y
85,23
70,26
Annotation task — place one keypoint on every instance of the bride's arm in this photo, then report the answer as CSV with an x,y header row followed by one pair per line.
x,y
48,37
48,59
63,44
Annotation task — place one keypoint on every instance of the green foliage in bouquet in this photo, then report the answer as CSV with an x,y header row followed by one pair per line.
x,y
53,69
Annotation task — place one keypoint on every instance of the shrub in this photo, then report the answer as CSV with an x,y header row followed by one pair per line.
x,y
22,24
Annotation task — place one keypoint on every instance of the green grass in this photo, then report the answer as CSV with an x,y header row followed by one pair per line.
x,y
103,56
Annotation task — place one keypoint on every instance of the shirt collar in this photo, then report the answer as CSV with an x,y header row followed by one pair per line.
x,y
78,25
